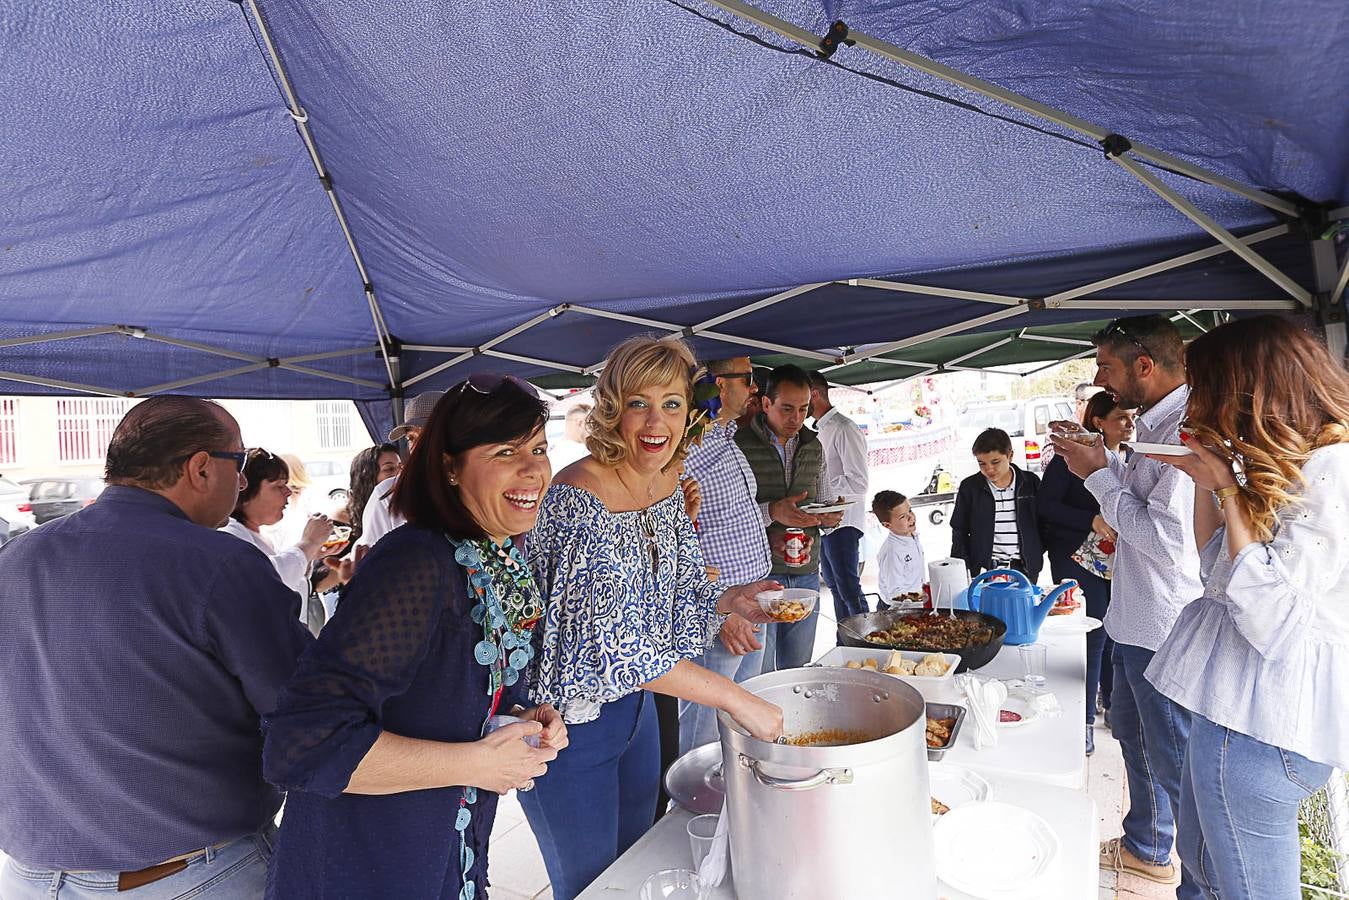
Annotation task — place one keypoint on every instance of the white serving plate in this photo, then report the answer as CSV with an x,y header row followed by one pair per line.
x,y
956,785
935,689
1022,708
995,851
1074,624
1160,449
818,508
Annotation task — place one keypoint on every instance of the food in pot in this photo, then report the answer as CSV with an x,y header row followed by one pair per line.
x,y
935,631
826,737
939,808
787,611
939,732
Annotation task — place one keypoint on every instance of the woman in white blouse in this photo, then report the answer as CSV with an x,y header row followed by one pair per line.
x,y
1262,659
263,502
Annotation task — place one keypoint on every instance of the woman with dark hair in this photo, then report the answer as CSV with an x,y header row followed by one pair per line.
x,y
629,606
263,502
382,736
368,468
1069,515
1261,660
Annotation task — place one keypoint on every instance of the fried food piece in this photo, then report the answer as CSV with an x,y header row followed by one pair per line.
x,y
939,808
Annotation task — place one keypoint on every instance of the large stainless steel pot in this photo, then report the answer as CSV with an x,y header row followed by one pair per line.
x,y
829,823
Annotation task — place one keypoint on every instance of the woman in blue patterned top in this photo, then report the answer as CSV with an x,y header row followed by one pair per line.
x,y
628,606
379,736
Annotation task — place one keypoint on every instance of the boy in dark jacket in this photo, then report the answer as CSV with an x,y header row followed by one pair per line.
x,y
994,525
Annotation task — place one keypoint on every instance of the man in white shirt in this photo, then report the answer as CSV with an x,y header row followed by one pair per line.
x,y
572,445
845,459
1141,361
378,520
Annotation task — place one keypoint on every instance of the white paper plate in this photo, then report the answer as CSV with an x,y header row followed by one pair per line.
x,y
1069,625
1022,708
995,851
1160,449
817,508
956,785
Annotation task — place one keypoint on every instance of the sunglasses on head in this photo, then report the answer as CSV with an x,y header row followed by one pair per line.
x,y
487,382
1116,328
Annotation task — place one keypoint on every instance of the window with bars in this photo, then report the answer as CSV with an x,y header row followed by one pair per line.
x,y
84,426
9,431
333,418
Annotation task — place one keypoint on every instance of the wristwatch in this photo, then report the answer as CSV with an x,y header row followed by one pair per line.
x,y
1223,494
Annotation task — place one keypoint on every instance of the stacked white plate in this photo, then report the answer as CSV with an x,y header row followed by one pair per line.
x,y
996,851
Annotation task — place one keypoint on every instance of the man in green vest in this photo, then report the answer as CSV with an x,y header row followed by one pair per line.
x,y
788,463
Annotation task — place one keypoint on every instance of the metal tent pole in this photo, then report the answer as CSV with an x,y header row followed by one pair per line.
x,y
1330,285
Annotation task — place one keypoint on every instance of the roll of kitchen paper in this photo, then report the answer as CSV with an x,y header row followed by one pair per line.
x,y
948,577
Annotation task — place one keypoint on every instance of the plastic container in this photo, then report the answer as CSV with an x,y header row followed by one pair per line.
x,y
788,604
934,688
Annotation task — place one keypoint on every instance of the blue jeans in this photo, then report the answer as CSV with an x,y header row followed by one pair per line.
x,y
599,795
1152,732
838,561
1100,648
790,645
698,723
237,871
1238,813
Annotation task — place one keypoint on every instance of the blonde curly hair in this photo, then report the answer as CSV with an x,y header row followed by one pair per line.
x,y
636,364
1266,394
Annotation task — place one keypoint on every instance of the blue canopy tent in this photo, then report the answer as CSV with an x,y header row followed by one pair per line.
x,y
278,198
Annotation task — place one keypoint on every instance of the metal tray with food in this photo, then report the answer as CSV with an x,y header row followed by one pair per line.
x,y
947,718
933,674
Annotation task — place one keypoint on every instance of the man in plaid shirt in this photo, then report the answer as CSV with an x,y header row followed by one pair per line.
x,y
732,537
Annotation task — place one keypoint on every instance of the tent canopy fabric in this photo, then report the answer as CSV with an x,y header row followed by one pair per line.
x,y
590,169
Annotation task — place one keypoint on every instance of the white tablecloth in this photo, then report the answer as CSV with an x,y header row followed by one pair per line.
x,y
1040,766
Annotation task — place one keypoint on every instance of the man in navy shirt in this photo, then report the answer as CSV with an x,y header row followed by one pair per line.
x,y
138,649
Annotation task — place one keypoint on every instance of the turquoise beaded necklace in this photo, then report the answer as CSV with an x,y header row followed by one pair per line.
x,y
504,650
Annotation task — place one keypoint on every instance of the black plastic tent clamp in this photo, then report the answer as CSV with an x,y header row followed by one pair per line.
x,y
837,34
1115,145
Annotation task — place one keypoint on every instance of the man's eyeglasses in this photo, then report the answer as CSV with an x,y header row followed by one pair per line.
x,y
747,377
240,457
487,382
1116,328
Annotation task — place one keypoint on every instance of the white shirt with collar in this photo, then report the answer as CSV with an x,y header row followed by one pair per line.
x,y
900,566
1151,505
378,519
845,457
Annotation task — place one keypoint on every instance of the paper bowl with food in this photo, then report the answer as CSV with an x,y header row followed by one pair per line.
x,y
788,604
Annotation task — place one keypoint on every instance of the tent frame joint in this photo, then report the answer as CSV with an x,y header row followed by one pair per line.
x,y
836,36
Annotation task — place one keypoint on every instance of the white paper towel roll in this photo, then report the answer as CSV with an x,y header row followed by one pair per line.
x,y
948,577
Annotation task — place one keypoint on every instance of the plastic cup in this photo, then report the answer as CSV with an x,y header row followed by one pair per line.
x,y
502,721
702,829
671,884
1034,658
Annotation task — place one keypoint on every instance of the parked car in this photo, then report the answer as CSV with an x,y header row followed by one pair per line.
x,y
1026,421
16,514
53,498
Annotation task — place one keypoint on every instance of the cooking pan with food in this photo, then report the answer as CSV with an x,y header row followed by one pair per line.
x,y
977,637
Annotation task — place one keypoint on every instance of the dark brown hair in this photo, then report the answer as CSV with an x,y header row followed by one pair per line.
x,y
1154,336
789,374
261,465
1265,394
1101,404
361,481
992,440
156,436
463,419
884,503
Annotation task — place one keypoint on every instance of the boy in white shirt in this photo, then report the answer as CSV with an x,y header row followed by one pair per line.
x,y
901,566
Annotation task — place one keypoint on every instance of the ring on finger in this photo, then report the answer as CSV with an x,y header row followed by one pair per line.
x,y
527,786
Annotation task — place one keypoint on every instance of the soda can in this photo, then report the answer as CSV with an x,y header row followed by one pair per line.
x,y
794,551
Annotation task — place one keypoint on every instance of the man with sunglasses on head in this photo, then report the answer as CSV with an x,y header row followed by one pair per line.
x,y
731,536
378,519
139,648
1141,361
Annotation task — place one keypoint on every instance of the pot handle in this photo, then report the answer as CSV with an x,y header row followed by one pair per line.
x,y
820,778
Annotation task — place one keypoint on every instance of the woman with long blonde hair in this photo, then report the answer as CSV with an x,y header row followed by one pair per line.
x,y
628,606
1262,659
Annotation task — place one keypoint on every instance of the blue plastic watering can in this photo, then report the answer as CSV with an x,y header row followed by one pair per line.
x,y
1022,605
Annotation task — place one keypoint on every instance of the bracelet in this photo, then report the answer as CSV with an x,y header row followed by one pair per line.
x,y
1223,494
